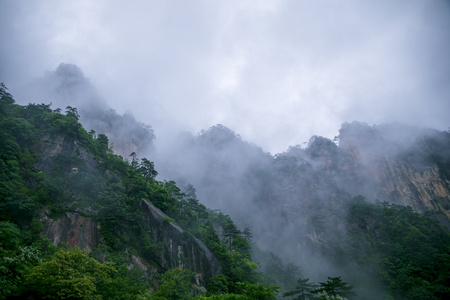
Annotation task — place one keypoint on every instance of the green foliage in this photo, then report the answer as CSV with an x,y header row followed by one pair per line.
x,y
334,287
9,235
218,284
175,284
87,178
169,220
410,253
233,251
274,270
247,291
257,291
70,274
147,169
223,296
125,284
303,291
5,97
16,259
14,266
16,163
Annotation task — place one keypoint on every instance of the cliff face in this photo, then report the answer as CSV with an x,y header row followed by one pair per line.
x,y
179,249
422,189
51,147
71,229
74,169
297,201
399,165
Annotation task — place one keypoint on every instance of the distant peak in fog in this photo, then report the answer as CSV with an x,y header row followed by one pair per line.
x,y
384,138
219,134
69,71
65,86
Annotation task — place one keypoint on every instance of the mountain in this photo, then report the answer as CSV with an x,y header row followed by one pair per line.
x,y
370,207
298,204
79,222
67,86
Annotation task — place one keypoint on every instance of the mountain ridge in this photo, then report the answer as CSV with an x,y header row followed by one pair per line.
x,y
313,206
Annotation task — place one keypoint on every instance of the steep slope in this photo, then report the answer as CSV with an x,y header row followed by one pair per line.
x,y
223,168
310,205
81,195
399,164
67,86
297,203
60,185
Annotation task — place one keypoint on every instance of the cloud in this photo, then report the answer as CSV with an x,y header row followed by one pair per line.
x,y
276,72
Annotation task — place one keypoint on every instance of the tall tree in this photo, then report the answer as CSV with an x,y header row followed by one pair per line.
x,y
334,286
303,291
147,169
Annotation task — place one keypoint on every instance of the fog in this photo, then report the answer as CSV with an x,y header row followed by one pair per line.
x,y
276,72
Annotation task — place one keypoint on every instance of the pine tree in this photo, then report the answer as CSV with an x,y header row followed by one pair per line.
x,y
334,286
304,290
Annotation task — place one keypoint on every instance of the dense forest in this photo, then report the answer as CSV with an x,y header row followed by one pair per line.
x,y
100,185
52,168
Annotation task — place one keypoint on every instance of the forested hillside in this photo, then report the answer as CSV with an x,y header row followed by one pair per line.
x,y
301,204
359,218
67,86
63,189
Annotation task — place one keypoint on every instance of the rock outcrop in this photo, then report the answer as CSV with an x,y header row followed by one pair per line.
x,y
179,249
73,168
399,165
72,229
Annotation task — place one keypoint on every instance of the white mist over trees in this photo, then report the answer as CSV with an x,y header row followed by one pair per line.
x,y
295,204
277,72
67,86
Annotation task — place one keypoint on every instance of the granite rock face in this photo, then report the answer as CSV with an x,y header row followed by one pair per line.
x,y
179,249
50,148
399,165
73,230
76,227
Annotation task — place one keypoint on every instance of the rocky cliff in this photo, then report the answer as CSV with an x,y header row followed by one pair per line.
x,y
398,164
297,203
71,229
178,248
72,167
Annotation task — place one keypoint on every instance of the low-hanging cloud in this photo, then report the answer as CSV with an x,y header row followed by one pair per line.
x,y
276,72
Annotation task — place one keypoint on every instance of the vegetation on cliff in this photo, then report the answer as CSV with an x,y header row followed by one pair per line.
x,y
50,166
408,252
88,179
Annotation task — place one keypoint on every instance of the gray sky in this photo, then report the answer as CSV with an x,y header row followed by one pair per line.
x,y
276,72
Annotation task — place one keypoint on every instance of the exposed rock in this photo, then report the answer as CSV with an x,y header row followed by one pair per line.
x,y
72,229
51,147
394,163
179,249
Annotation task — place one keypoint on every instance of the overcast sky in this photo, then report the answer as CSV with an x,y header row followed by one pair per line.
x,y
275,72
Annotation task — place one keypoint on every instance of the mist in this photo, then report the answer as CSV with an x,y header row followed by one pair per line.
x,y
276,72
243,100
